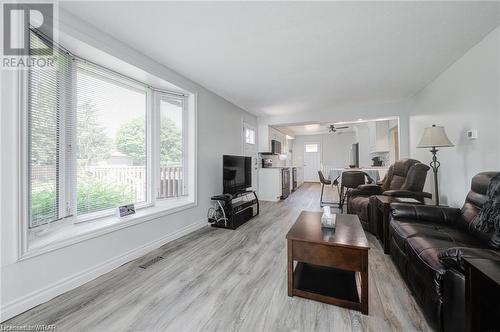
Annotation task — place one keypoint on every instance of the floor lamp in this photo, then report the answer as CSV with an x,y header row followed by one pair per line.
x,y
434,137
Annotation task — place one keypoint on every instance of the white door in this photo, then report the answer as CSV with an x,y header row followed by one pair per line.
x,y
312,161
250,150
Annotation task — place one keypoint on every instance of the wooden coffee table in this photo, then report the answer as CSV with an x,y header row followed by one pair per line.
x,y
332,265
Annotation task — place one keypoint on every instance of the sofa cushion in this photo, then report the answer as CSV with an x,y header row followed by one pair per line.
x,y
359,205
404,229
396,175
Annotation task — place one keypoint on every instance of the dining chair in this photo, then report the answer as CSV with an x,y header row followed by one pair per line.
x,y
327,182
351,180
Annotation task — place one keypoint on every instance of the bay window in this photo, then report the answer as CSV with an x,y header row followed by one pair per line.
x,y
97,139
111,140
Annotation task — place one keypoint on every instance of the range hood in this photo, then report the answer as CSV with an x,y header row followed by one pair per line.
x,y
275,148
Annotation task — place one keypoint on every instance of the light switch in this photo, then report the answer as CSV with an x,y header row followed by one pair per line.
x,y
472,134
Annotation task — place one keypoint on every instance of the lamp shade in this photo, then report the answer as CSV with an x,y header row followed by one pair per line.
x,y
434,136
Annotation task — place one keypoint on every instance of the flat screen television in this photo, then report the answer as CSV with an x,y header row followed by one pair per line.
x,y
236,174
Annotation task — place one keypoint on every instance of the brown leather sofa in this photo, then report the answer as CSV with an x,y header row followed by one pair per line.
x,y
405,178
428,244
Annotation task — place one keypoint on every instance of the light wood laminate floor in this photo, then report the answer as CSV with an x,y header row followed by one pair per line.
x,y
224,280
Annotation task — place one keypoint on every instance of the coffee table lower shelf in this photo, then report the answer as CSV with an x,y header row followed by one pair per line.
x,y
328,285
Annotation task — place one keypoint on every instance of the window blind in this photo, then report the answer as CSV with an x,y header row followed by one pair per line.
x,y
88,139
48,100
111,140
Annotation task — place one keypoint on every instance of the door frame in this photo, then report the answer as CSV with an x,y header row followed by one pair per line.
x,y
303,159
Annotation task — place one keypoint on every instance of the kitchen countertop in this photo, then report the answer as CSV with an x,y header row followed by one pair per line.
x,y
281,167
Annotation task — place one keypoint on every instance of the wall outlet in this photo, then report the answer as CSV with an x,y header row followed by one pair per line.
x,y
472,134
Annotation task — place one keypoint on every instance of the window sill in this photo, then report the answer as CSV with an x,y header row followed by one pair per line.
x,y
64,234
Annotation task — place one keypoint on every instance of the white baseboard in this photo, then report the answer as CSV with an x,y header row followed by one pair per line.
x,y
40,296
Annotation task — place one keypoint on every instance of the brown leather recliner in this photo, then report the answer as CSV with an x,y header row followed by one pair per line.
x,y
405,178
428,245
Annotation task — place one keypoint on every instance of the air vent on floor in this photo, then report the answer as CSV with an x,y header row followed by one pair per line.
x,y
151,262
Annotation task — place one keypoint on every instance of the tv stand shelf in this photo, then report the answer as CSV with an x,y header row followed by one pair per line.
x,y
234,210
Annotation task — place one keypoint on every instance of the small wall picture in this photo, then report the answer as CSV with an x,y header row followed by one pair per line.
x,y
125,210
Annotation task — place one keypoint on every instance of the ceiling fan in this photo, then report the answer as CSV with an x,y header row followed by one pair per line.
x,y
333,129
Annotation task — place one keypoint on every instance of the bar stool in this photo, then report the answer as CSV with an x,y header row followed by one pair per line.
x,y
327,182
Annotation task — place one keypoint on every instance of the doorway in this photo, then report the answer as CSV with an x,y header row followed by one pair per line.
x,y
312,161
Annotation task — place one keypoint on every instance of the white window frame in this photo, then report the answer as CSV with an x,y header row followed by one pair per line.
x,y
311,143
62,232
246,128
157,95
149,137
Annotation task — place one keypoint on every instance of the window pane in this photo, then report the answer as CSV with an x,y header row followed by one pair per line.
x,y
111,142
249,136
312,147
171,147
46,87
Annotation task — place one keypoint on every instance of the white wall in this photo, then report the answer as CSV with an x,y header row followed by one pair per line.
x,y
335,148
29,282
465,96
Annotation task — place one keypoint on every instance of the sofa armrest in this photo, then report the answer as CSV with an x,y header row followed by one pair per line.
x,y
365,190
454,257
420,195
430,213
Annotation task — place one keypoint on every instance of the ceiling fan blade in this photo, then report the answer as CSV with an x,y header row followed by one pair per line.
x,y
344,127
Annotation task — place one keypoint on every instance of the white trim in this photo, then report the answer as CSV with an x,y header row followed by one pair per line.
x,y
37,297
154,126
158,97
115,224
24,189
185,144
193,140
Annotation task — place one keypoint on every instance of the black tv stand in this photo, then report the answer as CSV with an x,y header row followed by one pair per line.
x,y
234,210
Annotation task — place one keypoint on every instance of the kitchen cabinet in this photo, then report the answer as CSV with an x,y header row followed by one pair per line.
x,y
300,176
270,184
378,136
280,137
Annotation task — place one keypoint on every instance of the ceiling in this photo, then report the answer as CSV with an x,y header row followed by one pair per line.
x,y
315,128
274,58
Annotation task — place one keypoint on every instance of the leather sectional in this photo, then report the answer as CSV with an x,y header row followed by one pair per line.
x,y
405,178
428,244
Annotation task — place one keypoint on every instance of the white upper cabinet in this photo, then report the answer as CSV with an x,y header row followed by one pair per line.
x,y
379,136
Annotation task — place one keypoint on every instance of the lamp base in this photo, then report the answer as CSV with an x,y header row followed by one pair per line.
x,y
435,166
